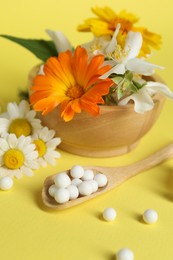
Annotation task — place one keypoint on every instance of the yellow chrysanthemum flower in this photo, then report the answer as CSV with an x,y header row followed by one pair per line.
x,y
106,22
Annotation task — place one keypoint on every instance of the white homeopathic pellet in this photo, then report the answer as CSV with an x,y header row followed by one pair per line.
x,y
150,216
61,195
94,185
101,179
85,188
6,183
76,181
125,254
62,180
88,175
74,192
52,190
77,171
109,214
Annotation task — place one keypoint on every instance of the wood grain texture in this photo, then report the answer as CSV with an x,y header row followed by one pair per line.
x,y
115,176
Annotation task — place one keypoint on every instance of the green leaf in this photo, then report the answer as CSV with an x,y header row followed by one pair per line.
x,y
117,79
42,49
129,75
139,85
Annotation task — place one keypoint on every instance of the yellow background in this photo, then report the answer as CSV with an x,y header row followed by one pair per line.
x,y
28,230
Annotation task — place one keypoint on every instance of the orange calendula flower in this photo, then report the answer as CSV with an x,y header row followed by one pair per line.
x,y
72,82
106,22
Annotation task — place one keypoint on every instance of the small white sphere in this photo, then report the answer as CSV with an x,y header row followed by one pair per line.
x,y
150,216
85,188
62,180
101,179
77,171
109,214
6,183
125,254
52,190
73,191
76,181
61,195
88,175
94,185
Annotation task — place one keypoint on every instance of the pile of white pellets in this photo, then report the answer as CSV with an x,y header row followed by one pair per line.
x,y
79,182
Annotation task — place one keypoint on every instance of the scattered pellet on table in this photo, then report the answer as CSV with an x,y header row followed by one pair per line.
x,y
150,216
6,183
109,214
125,254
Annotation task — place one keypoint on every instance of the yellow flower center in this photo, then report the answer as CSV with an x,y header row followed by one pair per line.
x,y
126,25
40,147
20,126
13,159
75,92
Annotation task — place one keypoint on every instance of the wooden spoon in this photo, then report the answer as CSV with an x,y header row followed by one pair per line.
x,y
115,176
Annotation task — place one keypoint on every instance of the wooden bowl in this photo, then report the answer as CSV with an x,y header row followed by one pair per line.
x,y
116,131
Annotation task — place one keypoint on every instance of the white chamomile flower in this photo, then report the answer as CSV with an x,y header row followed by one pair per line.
x,y
46,146
17,156
19,120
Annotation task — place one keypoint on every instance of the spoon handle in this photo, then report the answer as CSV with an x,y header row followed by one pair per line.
x,y
121,174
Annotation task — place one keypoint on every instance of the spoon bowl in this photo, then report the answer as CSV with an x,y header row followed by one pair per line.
x,y
115,176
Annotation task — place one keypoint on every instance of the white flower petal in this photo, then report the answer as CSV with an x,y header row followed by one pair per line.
x,y
141,67
133,44
30,115
13,110
27,171
143,101
3,145
29,150
60,41
54,142
42,162
12,140
158,87
43,133
111,46
18,174
49,159
24,108
31,156
54,154
50,135
32,164
4,124
118,69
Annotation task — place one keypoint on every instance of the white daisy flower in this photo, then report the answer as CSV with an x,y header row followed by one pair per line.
x,y
17,156
46,146
19,120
